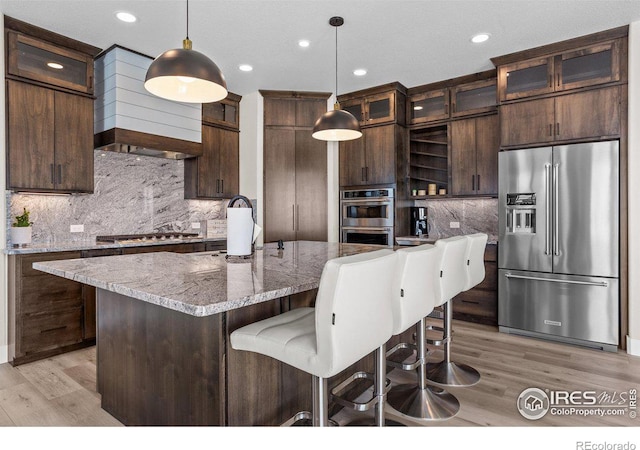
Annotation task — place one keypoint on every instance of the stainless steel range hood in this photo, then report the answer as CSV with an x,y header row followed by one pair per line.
x,y
128,119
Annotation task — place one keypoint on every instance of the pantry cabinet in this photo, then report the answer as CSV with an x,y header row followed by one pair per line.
x,y
295,167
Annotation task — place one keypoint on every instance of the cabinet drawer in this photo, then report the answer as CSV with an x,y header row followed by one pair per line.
x,y
27,260
51,330
476,305
49,293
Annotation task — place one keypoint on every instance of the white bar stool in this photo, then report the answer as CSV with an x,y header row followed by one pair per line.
x,y
352,318
463,268
416,287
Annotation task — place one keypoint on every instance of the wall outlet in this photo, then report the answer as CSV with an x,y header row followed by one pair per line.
x,y
76,228
454,224
195,225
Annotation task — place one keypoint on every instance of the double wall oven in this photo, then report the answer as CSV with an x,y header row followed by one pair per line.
x,y
366,216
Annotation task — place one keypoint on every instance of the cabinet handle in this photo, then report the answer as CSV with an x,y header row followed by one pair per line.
x,y
558,128
53,174
362,174
473,182
297,217
558,80
366,173
59,173
294,218
446,108
222,186
90,82
53,329
478,186
550,80
550,129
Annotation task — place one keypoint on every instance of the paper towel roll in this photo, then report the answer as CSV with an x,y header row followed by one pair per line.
x,y
239,231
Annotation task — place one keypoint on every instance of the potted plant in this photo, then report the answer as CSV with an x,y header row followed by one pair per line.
x,y
21,229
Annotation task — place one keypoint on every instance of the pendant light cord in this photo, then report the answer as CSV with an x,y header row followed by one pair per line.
x,y
187,19
336,64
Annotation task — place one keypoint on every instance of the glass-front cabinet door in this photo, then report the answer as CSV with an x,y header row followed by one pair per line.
x,y
471,98
41,61
355,107
527,78
429,106
380,108
589,66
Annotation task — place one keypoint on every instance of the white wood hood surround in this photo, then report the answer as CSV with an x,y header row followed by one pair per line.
x,y
123,103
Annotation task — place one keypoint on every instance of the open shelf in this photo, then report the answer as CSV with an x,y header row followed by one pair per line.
x,y
429,158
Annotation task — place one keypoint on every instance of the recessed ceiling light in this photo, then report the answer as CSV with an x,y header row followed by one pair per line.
x,y
245,67
480,37
55,65
360,72
304,43
126,17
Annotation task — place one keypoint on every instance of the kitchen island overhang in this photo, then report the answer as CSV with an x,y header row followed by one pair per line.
x,y
163,322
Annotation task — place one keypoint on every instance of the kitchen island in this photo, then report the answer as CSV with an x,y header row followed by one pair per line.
x,y
163,326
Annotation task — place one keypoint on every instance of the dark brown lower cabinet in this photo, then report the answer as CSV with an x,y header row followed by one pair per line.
x,y
480,304
162,367
45,311
49,315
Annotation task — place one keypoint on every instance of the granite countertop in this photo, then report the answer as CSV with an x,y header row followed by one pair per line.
x,y
415,240
206,283
93,245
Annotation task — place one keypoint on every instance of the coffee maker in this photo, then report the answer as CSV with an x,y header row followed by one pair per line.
x,y
418,225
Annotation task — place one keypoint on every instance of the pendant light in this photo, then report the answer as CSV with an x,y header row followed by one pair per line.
x,y
336,125
185,75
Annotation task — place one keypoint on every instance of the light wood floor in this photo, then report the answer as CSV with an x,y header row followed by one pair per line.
x,y
60,391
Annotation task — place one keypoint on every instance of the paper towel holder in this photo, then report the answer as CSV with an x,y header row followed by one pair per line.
x,y
249,205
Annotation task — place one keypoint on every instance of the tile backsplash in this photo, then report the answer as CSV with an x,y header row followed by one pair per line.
x,y
133,194
473,215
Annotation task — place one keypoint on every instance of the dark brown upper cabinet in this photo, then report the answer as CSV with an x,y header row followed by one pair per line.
x,y
215,174
38,58
593,114
376,106
474,156
225,113
49,140
457,97
578,63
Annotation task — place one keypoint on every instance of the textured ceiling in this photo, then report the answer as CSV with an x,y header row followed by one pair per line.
x,y
413,42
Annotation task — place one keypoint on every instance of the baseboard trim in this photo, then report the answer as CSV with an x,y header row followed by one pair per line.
x,y
4,354
633,346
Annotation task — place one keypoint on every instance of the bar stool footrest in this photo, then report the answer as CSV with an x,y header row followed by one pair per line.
x,y
401,364
352,404
304,418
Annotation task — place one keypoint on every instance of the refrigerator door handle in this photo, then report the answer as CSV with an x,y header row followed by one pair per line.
x,y
556,210
547,210
553,280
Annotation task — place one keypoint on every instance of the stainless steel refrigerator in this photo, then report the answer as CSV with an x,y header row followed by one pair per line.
x,y
558,252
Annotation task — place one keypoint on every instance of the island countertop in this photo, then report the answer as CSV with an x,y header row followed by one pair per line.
x,y
206,283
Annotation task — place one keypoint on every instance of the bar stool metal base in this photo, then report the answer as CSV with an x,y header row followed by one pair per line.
x,y
449,373
422,404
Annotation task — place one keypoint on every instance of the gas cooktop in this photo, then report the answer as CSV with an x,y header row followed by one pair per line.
x,y
150,237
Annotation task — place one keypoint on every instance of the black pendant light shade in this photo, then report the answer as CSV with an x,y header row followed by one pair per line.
x,y
336,125
185,75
